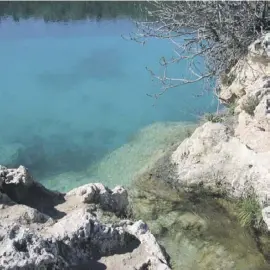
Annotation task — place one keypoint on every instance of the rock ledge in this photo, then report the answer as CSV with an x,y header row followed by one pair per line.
x,y
43,229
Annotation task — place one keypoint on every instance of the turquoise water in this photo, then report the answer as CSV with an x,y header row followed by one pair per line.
x,y
73,92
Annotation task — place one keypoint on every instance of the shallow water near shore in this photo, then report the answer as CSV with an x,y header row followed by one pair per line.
x,y
73,92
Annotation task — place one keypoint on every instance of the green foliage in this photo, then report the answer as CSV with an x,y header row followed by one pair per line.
x,y
212,117
249,214
231,108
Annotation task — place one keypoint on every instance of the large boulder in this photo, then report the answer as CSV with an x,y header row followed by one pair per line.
x,y
213,158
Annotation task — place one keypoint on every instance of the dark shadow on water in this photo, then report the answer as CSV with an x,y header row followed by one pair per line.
x,y
62,153
102,64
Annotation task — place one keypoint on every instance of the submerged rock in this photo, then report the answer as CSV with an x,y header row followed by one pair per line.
x,y
43,229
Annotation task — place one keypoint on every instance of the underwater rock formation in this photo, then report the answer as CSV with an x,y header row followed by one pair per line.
x,y
213,158
43,229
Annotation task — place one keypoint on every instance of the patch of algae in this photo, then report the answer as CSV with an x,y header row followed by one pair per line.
x,y
199,232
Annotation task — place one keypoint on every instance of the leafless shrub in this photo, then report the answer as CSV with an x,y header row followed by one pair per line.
x,y
216,33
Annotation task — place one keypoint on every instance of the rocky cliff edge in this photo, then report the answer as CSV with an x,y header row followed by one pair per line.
x,y
234,156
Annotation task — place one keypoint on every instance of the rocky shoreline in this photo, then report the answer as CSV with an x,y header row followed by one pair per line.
x,y
83,229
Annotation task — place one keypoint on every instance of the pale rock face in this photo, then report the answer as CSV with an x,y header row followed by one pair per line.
x,y
20,248
266,43
239,161
266,216
119,198
82,228
216,160
141,231
18,176
115,200
15,176
254,130
247,71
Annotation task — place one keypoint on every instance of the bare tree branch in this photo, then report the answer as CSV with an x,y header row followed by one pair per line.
x,y
213,34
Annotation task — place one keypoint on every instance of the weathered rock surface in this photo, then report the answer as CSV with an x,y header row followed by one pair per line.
x,y
213,158
235,160
246,71
42,229
216,160
115,200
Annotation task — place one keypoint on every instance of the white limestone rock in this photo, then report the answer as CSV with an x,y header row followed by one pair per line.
x,y
50,230
246,71
213,158
156,257
17,176
266,216
115,200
